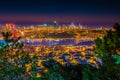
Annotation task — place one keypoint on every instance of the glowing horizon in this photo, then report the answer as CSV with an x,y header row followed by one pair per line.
x,y
59,18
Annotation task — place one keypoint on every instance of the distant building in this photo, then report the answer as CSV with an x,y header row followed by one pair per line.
x,y
72,25
80,26
55,24
44,25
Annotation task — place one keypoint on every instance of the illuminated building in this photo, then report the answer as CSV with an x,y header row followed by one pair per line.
x,y
55,24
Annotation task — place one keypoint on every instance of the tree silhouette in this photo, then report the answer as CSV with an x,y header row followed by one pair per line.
x,y
14,58
108,48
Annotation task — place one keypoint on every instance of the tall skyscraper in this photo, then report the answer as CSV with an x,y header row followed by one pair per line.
x,y
55,25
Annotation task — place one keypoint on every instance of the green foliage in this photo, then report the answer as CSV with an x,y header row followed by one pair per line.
x,y
51,75
90,73
106,49
117,57
110,42
13,59
58,72
53,70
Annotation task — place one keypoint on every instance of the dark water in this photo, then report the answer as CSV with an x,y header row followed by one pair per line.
x,y
58,42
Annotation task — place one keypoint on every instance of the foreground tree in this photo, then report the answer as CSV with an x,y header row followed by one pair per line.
x,y
13,57
108,49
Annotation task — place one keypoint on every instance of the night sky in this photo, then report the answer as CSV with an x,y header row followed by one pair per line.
x,y
63,11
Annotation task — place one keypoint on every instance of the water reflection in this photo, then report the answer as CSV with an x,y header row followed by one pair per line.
x,y
59,42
